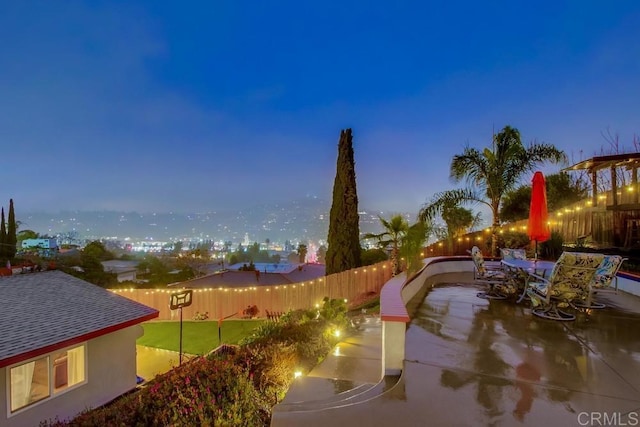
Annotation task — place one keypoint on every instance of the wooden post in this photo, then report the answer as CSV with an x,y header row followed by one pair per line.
x,y
594,188
614,185
634,184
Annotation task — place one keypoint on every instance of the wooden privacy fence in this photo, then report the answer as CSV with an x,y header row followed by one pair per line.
x,y
604,226
223,302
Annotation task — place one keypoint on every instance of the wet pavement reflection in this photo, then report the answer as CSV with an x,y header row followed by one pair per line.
x,y
475,362
509,367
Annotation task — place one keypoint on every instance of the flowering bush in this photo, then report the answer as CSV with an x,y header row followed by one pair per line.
x,y
237,388
201,316
251,311
205,391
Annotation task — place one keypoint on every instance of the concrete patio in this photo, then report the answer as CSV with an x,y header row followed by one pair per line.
x,y
470,362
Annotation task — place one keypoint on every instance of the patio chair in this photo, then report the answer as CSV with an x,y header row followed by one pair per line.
x,y
509,253
517,278
603,279
487,274
569,280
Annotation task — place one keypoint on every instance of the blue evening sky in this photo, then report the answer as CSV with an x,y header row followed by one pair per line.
x,y
160,106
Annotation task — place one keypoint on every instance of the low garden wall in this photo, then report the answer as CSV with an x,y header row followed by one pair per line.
x,y
399,294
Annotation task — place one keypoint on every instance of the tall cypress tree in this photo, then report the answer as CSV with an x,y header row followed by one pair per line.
x,y
12,236
344,222
3,239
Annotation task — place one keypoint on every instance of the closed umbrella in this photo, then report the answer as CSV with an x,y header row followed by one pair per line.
x,y
537,227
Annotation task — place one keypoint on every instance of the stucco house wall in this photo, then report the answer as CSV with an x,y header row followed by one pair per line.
x,y
111,371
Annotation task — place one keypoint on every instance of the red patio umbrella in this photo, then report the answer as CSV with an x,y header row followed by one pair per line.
x,y
537,227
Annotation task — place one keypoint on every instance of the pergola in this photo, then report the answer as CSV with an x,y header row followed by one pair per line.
x,y
630,161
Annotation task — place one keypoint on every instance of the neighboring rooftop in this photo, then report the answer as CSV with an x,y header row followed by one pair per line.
x,y
119,266
268,267
42,312
295,273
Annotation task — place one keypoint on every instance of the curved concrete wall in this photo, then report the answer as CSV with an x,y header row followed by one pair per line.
x,y
432,267
397,294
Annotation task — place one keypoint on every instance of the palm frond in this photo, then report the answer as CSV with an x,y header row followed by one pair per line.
x,y
448,198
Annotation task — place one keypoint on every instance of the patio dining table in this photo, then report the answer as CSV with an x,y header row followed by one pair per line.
x,y
527,266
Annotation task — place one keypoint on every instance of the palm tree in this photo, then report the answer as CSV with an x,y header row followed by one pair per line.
x,y
413,245
490,173
302,252
458,221
394,230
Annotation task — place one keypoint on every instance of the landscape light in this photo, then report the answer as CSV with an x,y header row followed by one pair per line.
x,y
297,374
336,333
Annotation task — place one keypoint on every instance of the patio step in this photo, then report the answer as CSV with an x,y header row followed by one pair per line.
x,y
361,393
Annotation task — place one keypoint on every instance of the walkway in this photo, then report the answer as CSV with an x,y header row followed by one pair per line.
x,y
353,367
152,361
473,362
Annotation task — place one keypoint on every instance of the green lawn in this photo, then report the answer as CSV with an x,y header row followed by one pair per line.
x,y
198,337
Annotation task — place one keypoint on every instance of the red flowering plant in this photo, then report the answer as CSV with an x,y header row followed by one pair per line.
x,y
234,388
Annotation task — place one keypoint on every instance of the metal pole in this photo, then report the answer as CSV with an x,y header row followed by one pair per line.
x,y
180,335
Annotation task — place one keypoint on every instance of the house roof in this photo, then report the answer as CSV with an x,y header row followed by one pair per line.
x,y
306,272
235,278
43,312
120,266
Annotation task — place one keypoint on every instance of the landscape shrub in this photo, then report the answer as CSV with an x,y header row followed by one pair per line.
x,y
335,311
272,368
552,248
513,239
237,388
206,391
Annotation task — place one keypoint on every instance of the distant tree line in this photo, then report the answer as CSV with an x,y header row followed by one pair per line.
x,y
8,235
253,254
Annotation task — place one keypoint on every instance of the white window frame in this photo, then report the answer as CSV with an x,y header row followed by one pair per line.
x,y
52,392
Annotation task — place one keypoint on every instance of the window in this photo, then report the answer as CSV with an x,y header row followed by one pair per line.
x,y
40,378
29,383
68,368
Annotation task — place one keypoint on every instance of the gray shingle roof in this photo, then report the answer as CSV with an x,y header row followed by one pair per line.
x,y
233,278
42,311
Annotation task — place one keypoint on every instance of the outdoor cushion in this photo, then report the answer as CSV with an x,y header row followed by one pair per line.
x,y
606,271
509,253
478,260
541,288
570,279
